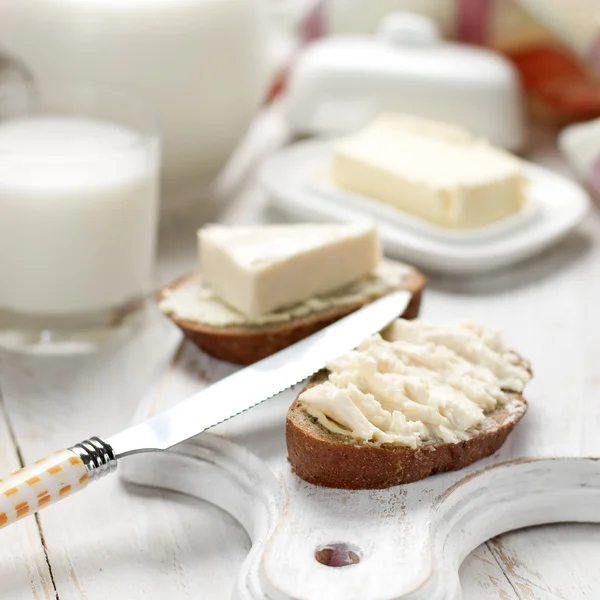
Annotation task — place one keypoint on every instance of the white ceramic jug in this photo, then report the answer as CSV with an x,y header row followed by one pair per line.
x,y
201,63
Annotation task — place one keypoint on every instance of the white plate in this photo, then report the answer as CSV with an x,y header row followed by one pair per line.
x,y
321,185
556,206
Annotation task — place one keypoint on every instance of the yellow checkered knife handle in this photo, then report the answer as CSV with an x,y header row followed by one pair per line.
x,y
46,481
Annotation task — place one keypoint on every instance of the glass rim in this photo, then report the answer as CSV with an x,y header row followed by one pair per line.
x,y
97,97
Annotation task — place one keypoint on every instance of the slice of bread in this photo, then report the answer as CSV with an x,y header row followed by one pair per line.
x,y
333,460
246,344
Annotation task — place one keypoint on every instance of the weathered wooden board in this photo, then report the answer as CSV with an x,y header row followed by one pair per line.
x,y
141,544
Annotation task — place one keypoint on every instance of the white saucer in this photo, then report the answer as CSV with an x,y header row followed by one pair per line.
x,y
294,180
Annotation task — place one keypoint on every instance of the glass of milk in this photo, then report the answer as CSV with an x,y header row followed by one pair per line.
x,y
78,216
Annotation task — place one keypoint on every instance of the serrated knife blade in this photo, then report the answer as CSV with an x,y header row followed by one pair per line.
x,y
70,470
258,382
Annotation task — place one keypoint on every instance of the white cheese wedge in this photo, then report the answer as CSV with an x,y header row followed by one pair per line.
x,y
257,270
435,171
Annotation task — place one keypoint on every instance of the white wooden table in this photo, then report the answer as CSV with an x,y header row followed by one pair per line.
x,y
116,542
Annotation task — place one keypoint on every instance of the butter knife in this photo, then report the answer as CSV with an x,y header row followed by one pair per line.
x,y
59,475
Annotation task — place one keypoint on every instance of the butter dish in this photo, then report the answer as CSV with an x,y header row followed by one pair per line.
x,y
323,186
580,145
341,82
294,180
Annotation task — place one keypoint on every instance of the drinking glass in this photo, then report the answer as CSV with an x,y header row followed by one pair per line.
x,y
79,171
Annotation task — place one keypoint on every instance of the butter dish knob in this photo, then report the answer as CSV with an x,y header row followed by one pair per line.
x,y
408,29
53,478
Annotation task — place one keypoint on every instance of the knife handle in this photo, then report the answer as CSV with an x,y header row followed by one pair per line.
x,y
46,481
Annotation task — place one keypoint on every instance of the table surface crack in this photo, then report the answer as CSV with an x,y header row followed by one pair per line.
x,y
13,438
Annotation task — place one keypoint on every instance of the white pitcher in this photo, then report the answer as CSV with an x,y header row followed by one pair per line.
x,y
201,63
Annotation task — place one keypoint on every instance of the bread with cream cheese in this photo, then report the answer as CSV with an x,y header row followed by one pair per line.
x,y
329,456
245,344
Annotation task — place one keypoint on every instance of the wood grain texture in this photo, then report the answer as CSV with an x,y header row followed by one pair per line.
x,y
113,541
548,305
482,578
527,557
24,572
118,541
145,544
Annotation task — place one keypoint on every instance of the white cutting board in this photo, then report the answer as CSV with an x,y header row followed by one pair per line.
x,y
410,540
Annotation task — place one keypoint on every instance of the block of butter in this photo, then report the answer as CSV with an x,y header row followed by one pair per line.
x,y
433,170
257,270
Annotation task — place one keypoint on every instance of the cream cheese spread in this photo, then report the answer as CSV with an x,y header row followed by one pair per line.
x,y
416,383
194,301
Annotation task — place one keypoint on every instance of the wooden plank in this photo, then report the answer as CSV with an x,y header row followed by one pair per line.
x,y
551,563
482,578
548,306
325,515
24,572
112,541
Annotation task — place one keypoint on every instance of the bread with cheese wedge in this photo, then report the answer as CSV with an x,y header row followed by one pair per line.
x,y
261,288
232,338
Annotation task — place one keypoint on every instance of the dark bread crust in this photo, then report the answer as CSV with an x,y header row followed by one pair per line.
x,y
246,345
327,459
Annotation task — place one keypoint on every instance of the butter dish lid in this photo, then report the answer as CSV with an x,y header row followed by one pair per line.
x,y
341,82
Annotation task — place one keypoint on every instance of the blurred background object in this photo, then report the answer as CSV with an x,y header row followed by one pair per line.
x,y
357,16
506,70
550,45
208,65
580,144
553,44
202,63
340,83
